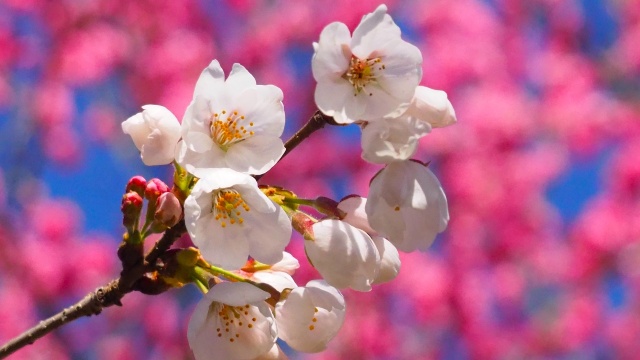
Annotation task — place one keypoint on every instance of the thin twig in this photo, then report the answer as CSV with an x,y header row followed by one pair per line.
x,y
316,122
102,297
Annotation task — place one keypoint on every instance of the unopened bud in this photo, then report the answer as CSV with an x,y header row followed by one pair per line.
x,y
137,184
131,208
168,210
155,188
328,206
303,224
179,265
353,208
188,257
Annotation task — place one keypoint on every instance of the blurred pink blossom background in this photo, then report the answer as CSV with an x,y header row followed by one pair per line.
x,y
541,258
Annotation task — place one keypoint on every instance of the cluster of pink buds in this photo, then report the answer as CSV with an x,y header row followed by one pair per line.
x,y
163,207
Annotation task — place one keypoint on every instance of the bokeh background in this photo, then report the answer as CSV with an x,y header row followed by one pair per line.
x,y
541,258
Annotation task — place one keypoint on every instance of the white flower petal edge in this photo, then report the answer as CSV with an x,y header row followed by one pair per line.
x,y
277,279
388,140
232,123
310,316
389,260
155,131
229,219
406,205
344,255
396,138
432,106
354,207
389,267
232,321
289,264
368,76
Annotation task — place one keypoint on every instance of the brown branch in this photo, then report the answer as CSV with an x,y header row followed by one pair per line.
x,y
316,122
102,297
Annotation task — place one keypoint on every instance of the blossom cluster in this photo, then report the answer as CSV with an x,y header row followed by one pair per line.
x,y
230,135
539,259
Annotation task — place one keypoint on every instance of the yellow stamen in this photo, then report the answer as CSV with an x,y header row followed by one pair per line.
x,y
362,73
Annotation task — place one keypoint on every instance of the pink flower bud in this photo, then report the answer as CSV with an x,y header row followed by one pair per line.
x,y
137,184
168,210
328,206
303,224
155,188
131,208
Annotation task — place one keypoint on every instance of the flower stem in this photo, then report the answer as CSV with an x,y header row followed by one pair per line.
x,y
228,274
316,122
201,286
201,275
299,201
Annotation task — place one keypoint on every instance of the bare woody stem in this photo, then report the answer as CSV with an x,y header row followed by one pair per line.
x,y
103,297
316,122
111,293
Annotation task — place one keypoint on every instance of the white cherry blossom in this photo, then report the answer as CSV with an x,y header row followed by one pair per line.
x,y
155,131
232,123
310,316
406,205
344,255
389,267
432,106
368,75
229,218
232,321
396,138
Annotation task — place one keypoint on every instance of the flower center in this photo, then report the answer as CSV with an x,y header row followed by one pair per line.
x,y
362,72
227,207
231,320
229,128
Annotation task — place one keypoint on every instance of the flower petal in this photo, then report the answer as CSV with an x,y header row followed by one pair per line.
x,y
356,214
239,79
136,127
389,140
390,260
158,150
262,106
331,57
256,155
277,279
236,294
432,106
224,247
210,82
198,142
310,316
333,96
344,255
268,235
377,103
376,31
